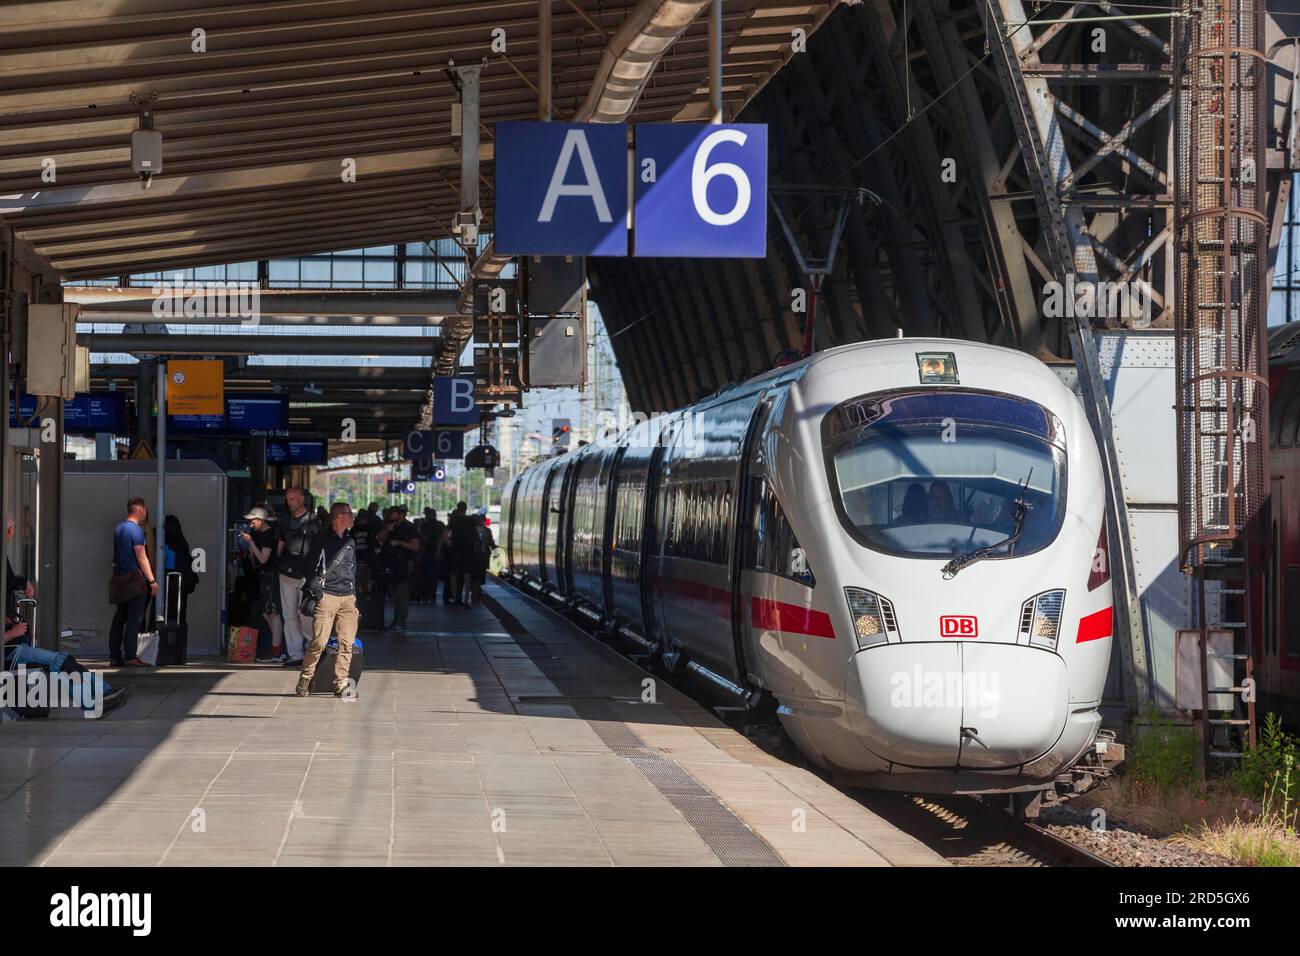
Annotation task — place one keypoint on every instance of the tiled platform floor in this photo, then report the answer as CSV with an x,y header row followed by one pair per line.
x,y
461,750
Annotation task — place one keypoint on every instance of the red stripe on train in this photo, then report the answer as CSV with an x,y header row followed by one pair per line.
x,y
765,613
1095,626
770,615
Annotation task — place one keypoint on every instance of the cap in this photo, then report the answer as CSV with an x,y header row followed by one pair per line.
x,y
259,512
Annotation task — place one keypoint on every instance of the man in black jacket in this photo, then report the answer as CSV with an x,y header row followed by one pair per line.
x,y
464,539
336,611
396,543
298,531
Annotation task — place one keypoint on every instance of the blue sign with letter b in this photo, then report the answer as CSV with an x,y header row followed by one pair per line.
x,y
453,400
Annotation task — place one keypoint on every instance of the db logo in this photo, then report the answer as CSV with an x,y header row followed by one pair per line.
x,y
178,378
958,625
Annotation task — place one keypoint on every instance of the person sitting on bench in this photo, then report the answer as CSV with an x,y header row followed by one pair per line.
x,y
19,650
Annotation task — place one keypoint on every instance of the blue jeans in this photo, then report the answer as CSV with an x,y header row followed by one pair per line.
x,y
54,661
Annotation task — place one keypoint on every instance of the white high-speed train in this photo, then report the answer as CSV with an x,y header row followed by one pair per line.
x,y
900,544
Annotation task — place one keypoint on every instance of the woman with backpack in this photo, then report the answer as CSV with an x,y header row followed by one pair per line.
x,y
179,558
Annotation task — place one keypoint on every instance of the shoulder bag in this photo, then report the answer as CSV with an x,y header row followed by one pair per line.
x,y
313,586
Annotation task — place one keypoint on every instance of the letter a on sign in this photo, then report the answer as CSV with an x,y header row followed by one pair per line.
x,y
561,189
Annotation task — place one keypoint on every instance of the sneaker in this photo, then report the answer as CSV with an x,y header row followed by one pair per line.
x,y
268,660
304,687
398,627
114,662
114,699
293,662
135,662
346,693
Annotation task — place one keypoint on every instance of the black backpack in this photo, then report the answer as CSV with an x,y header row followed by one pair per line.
x,y
297,544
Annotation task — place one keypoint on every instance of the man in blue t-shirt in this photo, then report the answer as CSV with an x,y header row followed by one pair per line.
x,y
131,556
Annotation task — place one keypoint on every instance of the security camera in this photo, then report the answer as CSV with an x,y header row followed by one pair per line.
x,y
146,154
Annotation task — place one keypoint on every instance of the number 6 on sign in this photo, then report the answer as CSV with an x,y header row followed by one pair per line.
x,y
709,194
702,172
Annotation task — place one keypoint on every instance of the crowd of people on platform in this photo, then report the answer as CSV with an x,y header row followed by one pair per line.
x,y
390,561
398,561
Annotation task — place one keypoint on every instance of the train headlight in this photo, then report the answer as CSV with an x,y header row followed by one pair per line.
x,y
1040,618
873,617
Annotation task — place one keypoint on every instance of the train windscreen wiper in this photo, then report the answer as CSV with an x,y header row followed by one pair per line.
x,y
1018,518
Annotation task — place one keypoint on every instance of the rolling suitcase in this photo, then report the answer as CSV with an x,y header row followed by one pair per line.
x,y
173,634
370,606
322,682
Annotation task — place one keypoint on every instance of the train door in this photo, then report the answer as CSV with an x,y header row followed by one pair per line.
x,y
652,533
548,520
609,481
749,527
568,504
510,522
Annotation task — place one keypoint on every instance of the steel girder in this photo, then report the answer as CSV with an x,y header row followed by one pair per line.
x,y
967,258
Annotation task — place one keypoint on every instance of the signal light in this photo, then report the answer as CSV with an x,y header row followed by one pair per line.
x,y
937,368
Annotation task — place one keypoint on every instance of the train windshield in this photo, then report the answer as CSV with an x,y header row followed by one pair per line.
x,y
942,473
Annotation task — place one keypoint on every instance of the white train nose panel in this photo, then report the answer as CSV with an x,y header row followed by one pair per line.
x,y
898,705
957,703
1015,705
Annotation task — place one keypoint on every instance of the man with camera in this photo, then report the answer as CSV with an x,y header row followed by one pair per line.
x,y
297,533
333,585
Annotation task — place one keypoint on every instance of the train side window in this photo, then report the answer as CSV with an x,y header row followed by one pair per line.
x,y
1291,612
724,521
775,544
757,526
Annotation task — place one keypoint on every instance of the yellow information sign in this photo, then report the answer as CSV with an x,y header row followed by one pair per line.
x,y
196,387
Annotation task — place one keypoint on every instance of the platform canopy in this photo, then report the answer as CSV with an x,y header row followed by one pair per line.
x,y
260,105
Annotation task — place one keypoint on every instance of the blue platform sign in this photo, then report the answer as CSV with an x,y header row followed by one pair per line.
x,y
88,413
295,452
453,400
441,443
701,190
255,415
561,189
428,470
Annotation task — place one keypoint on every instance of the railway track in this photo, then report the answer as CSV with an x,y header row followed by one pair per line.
x,y
967,832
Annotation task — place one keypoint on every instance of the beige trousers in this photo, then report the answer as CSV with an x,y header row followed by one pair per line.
x,y
340,615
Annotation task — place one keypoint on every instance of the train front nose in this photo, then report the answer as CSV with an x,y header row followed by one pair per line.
x,y
957,704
